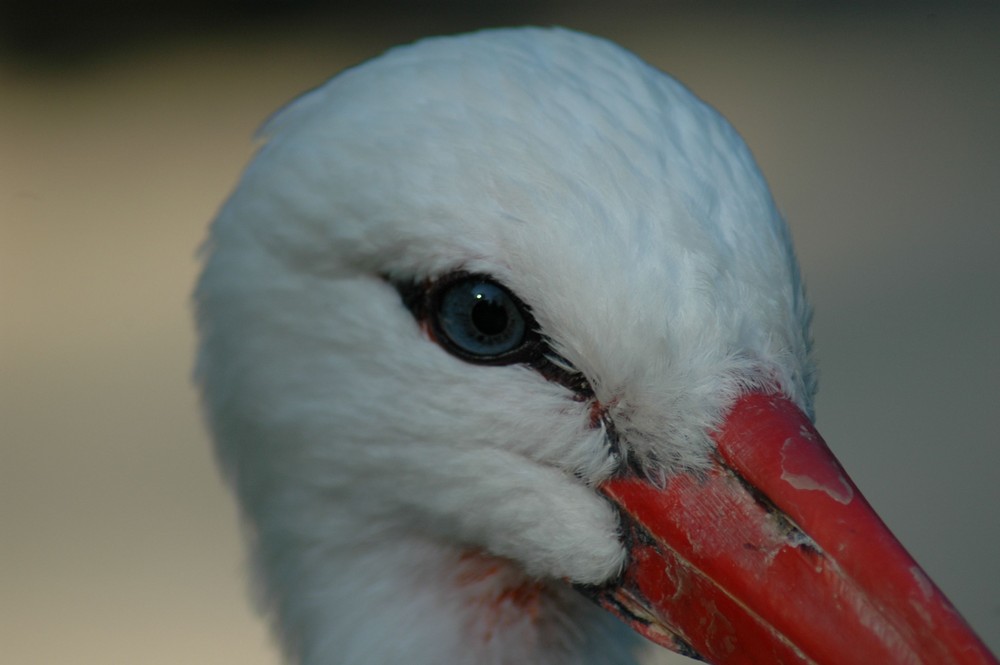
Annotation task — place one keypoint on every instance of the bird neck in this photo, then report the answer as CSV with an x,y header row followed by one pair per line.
x,y
424,603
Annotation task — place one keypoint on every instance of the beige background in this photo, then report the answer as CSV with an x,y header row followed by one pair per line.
x,y
880,134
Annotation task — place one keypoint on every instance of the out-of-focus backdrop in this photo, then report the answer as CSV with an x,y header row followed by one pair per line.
x,y
124,124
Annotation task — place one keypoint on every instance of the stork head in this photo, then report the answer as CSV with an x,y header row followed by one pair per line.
x,y
519,294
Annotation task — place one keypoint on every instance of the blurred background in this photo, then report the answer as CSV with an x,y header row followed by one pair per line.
x,y
123,125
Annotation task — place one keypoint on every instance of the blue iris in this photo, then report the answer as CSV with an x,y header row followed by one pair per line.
x,y
481,318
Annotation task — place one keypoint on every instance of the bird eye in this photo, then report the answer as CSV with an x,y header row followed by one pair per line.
x,y
474,317
479,320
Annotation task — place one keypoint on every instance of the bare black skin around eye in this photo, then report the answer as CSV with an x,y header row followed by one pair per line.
x,y
497,328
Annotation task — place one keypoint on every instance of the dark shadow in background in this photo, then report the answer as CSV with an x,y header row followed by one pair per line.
x,y
64,34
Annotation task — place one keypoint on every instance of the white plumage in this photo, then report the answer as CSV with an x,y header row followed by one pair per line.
x,y
404,505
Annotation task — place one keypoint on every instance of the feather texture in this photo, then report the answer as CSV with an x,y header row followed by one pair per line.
x,y
371,465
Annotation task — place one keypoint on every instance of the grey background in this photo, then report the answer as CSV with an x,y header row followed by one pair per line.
x,y
877,129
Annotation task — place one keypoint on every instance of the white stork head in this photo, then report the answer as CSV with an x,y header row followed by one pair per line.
x,y
483,315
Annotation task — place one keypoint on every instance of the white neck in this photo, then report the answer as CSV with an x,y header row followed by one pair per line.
x,y
423,603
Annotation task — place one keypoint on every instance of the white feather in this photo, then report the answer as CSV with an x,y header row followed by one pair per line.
x,y
368,461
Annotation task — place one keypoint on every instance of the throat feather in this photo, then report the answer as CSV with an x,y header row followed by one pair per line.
x,y
499,596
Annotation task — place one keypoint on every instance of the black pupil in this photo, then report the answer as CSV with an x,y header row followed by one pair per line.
x,y
488,316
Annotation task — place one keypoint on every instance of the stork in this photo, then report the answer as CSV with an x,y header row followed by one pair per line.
x,y
507,358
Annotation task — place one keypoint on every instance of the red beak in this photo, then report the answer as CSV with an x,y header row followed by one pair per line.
x,y
773,556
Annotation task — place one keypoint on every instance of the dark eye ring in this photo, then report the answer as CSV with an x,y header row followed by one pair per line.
x,y
479,320
474,317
